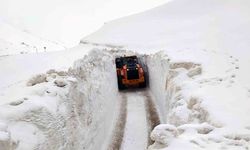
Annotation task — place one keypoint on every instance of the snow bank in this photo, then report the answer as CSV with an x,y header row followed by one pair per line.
x,y
36,119
158,70
165,78
183,104
94,99
64,109
162,135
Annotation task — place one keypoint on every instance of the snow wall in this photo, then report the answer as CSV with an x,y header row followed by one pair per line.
x,y
171,83
158,67
67,110
97,89
94,100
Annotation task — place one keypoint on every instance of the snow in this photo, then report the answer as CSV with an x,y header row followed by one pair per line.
x,y
197,59
163,135
95,99
198,25
67,21
62,117
16,41
158,63
29,133
136,126
212,34
41,63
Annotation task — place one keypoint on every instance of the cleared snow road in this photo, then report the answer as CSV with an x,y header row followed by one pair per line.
x,y
136,131
138,116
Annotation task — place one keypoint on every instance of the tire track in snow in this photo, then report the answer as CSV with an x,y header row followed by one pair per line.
x,y
153,118
137,118
118,132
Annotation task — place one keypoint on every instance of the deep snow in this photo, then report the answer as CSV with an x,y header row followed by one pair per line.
x,y
199,81
212,36
16,41
66,21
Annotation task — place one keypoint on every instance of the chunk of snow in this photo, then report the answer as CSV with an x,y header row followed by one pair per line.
x,y
60,82
37,79
163,135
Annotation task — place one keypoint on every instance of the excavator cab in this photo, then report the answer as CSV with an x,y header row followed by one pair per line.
x,y
130,72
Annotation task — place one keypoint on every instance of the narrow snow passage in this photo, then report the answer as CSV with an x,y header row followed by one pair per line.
x,y
136,132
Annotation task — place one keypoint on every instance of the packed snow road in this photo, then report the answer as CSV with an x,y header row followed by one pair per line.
x,y
135,136
135,121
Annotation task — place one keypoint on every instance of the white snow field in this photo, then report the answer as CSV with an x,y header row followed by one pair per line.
x,y
16,41
197,55
67,21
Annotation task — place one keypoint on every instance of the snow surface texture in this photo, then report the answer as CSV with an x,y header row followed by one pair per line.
x,y
36,63
68,21
135,133
15,41
182,24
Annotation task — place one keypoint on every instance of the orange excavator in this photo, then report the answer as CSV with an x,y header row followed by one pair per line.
x,y
130,72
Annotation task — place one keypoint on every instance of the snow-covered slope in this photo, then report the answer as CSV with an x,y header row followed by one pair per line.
x,y
16,41
68,21
182,24
188,25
